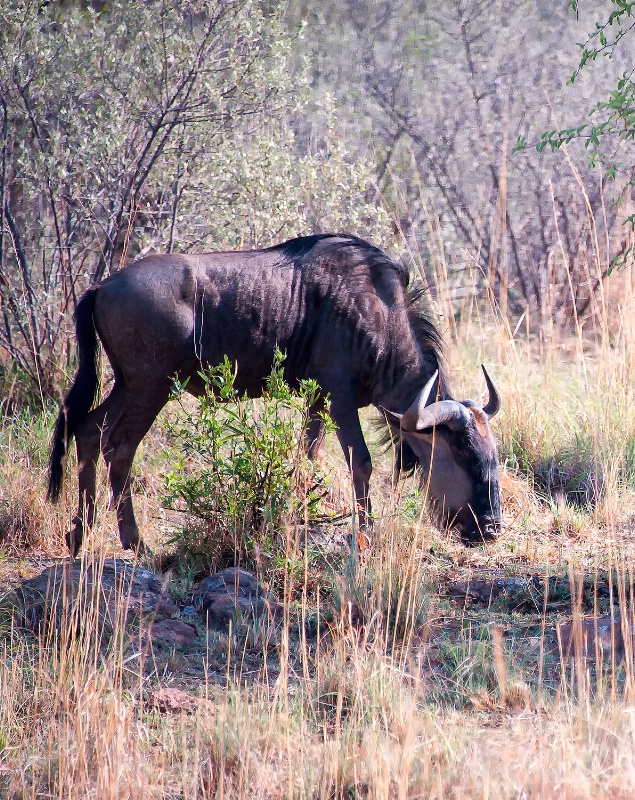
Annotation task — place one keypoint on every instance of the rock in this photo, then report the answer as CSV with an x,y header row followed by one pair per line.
x,y
527,593
172,631
169,700
232,580
188,612
223,608
602,637
110,589
485,590
233,595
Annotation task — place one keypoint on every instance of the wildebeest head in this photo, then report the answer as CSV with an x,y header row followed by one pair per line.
x,y
453,444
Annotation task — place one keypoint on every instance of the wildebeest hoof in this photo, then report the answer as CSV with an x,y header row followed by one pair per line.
x,y
139,548
489,534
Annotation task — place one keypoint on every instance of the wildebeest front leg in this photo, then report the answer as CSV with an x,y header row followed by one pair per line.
x,y
349,432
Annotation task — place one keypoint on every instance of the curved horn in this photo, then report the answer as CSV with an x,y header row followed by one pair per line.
x,y
451,413
411,416
494,402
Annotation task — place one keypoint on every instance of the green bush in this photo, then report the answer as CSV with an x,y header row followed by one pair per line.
x,y
243,474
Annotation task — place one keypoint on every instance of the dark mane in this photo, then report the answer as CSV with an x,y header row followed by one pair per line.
x,y
425,332
431,343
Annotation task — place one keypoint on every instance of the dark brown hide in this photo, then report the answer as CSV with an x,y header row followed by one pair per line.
x,y
337,306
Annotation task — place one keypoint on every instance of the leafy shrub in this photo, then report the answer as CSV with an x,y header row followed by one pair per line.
x,y
243,473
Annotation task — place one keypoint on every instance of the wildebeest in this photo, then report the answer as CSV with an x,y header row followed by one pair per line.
x,y
341,310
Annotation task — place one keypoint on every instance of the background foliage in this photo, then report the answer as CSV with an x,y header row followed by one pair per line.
x,y
161,126
444,92
187,126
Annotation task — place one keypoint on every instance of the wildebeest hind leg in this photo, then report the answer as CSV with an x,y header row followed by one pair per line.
x,y
88,442
119,446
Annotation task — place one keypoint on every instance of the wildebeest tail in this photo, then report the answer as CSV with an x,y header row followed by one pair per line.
x,y
81,395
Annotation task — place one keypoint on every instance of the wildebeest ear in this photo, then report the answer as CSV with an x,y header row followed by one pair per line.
x,y
391,418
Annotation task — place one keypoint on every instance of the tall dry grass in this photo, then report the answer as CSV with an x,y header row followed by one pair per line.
x,y
432,710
